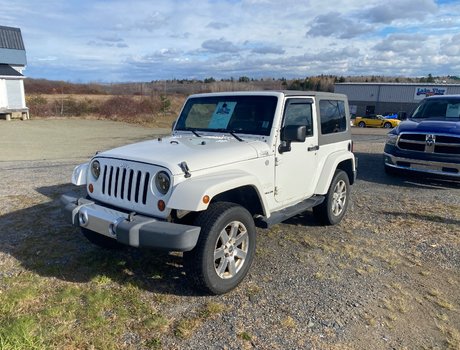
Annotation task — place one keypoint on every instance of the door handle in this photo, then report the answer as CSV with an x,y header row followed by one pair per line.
x,y
313,148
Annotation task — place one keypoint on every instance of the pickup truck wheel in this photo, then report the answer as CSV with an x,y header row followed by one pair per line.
x,y
362,124
100,240
225,248
334,207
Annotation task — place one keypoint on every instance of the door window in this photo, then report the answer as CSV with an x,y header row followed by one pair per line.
x,y
298,112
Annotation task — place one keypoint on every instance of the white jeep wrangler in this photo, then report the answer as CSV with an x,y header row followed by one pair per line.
x,y
234,161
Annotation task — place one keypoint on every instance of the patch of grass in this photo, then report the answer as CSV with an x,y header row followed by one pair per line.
x,y
20,333
153,343
370,320
452,336
38,313
245,336
289,322
319,275
187,326
253,290
435,296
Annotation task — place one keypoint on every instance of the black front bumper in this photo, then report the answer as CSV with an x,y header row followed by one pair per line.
x,y
132,230
430,163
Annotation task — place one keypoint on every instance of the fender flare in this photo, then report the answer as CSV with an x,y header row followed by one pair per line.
x,y
188,195
328,170
79,174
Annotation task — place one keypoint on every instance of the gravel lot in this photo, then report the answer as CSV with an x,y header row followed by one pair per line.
x,y
387,277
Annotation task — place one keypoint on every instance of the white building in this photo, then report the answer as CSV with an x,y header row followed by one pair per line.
x,y
12,63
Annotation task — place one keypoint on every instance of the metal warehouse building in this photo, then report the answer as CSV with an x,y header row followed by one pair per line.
x,y
390,98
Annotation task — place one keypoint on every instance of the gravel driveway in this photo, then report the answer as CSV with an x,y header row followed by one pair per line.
x,y
387,277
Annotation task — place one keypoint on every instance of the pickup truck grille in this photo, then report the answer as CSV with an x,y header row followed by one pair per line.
x,y
429,143
126,184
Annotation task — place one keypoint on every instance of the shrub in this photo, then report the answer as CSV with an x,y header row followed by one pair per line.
x,y
38,106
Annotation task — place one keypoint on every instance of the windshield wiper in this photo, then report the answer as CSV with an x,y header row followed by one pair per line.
x,y
231,132
195,133
236,136
191,130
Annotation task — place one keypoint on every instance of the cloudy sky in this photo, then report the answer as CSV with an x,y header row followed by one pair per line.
x,y
144,40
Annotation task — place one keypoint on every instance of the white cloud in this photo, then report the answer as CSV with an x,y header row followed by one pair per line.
x,y
220,45
145,40
412,10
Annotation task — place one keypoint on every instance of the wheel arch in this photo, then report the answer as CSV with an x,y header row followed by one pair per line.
x,y
246,196
236,187
340,160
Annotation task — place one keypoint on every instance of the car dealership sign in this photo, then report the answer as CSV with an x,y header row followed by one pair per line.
x,y
422,92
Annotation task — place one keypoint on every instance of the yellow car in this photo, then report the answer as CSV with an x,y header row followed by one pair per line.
x,y
376,121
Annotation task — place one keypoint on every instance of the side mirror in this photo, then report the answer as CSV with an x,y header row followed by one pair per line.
x,y
291,133
294,133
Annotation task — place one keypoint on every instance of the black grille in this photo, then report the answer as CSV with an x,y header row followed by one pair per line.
x,y
440,144
126,184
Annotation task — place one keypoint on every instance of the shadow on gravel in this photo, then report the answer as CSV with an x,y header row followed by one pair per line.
x,y
371,169
423,217
305,219
45,243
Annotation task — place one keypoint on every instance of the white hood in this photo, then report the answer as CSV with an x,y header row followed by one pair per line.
x,y
198,152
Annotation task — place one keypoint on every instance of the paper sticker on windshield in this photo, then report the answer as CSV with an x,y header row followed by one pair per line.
x,y
222,115
453,111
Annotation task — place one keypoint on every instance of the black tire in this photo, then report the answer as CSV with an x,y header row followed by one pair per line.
x,y
334,207
387,125
204,267
362,124
100,240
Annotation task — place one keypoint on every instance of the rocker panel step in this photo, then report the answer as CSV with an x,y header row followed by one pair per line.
x,y
287,213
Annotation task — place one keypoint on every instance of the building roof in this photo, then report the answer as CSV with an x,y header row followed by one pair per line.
x,y
7,71
12,50
11,38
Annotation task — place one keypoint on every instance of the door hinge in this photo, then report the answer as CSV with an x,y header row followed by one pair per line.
x,y
277,161
276,190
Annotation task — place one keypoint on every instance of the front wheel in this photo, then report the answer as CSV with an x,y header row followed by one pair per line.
x,y
387,125
334,207
225,249
362,124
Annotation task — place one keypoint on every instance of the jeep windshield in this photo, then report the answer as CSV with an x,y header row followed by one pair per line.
x,y
229,114
438,108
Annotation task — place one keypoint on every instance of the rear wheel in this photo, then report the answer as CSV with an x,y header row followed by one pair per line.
x,y
225,248
334,207
362,124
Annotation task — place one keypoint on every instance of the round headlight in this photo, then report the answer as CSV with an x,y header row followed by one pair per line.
x,y
162,182
95,169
